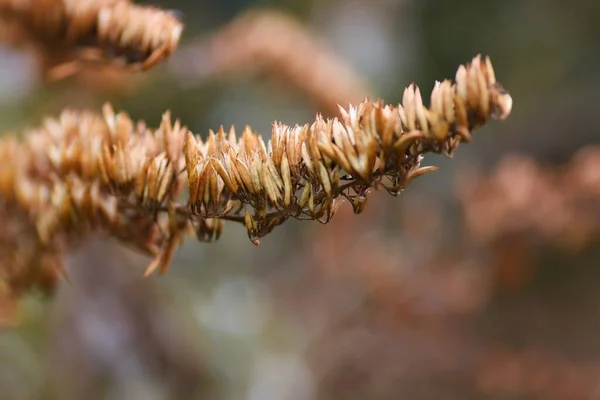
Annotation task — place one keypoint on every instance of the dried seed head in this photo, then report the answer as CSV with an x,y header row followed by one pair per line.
x,y
115,31
83,173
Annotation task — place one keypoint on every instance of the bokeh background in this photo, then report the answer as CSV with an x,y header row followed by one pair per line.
x,y
480,282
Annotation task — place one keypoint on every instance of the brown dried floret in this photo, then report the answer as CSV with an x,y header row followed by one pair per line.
x,y
85,174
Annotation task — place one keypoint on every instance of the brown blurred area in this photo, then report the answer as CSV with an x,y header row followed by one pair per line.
x,y
479,282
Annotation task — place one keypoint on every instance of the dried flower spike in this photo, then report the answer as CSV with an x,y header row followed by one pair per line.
x,y
85,174
97,30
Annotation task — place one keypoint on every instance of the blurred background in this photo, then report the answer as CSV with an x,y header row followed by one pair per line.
x,y
480,282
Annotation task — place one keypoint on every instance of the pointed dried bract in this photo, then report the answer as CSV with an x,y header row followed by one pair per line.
x,y
95,31
84,174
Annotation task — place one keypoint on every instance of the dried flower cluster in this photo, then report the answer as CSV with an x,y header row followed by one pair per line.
x,y
261,40
522,197
92,31
83,173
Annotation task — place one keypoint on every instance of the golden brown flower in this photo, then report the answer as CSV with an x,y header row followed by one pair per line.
x,y
84,174
95,31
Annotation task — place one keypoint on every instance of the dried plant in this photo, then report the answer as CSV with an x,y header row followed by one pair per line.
x,y
73,33
84,174
261,40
